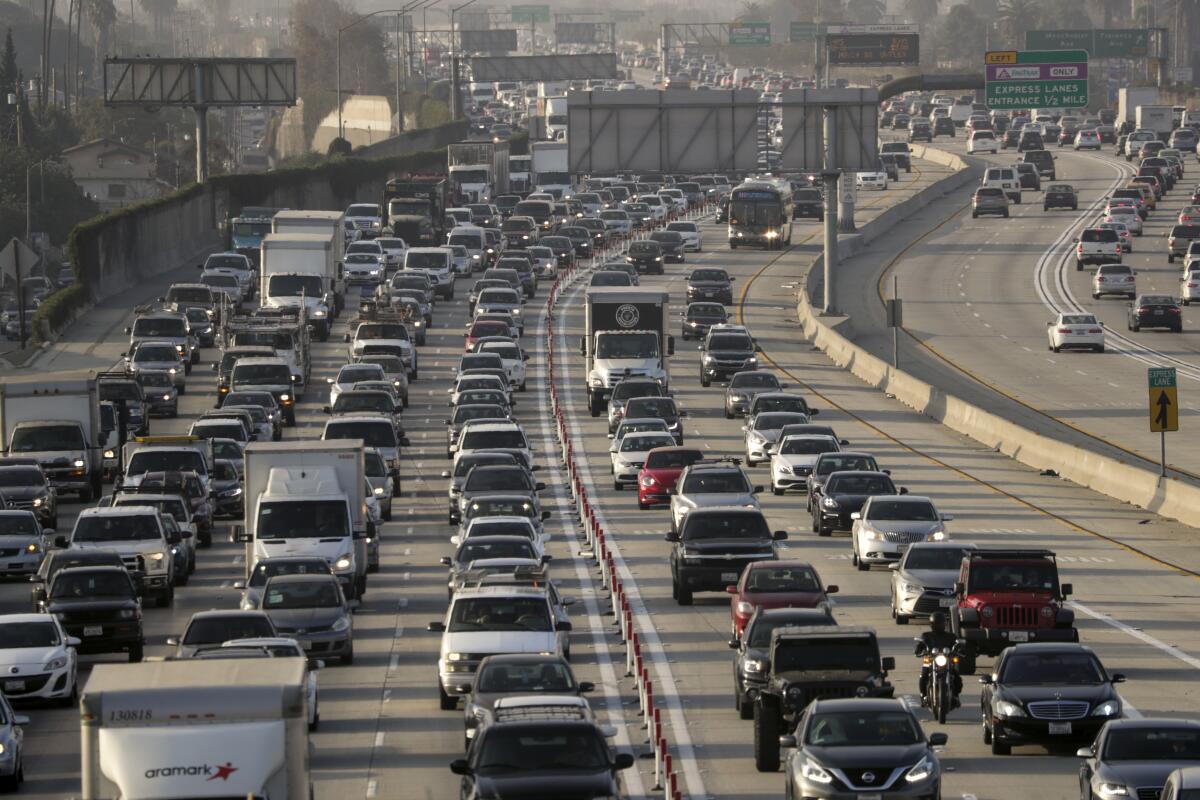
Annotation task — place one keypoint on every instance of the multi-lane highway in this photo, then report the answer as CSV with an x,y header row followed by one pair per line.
x,y
381,734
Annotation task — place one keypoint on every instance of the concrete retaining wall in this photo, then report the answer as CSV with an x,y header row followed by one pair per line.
x,y
1122,481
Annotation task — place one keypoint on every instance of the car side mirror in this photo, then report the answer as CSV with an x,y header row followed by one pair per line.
x,y
731,589
436,627
61,541
547,559
1084,752
960,588
758,490
173,641
832,589
888,663
903,490
787,741
539,487
445,561
1067,590
459,766
564,625
545,515
947,517
855,515
1117,677
672,536
938,739
986,680
346,338
734,643
779,536
239,584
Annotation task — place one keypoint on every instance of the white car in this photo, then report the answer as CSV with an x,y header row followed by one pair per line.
x,y
617,221
1127,215
793,460
512,358
872,180
1191,259
690,232
282,647
351,374
1087,139
1082,331
1189,284
629,454
659,208
1123,234
365,269
1114,279
503,526
37,658
982,142
393,250
472,383
545,263
888,524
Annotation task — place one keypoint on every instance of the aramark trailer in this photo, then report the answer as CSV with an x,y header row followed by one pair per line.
x,y
221,728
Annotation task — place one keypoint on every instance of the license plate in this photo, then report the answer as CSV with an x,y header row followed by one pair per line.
x,y
1060,729
93,630
871,796
1158,312
1018,636
306,644
948,602
729,577
14,686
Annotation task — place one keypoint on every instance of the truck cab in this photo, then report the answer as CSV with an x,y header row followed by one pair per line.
x,y
625,336
55,422
138,535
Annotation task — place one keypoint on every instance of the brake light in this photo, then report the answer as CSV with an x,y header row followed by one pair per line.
x,y
1094,330
1064,330
1143,310
1100,279
1175,310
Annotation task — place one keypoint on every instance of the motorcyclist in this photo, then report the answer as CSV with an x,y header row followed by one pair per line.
x,y
936,638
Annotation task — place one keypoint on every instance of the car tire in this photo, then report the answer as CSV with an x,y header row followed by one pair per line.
x,y
446,702
1000,748
348,658
136,653
683,595
862,565
1095,296
766,734
778,492
643,506
1056,349
901,619
1100,349
616,486
705,381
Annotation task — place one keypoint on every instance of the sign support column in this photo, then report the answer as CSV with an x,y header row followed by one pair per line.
x,y
830,176
1164,408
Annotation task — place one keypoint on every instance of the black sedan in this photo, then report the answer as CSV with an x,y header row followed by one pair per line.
x,y
808,203
1047,694
1155,311
671,243
944,126
843,494
581,239
1060,195
699,317
562,247
710,284
920,130
646,256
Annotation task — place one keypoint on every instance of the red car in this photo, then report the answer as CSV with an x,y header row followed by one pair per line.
x,y
660,471
776,584
485,327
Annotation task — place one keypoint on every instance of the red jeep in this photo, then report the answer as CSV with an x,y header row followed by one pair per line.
x,y
1007,597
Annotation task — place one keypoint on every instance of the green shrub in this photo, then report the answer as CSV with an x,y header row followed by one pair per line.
x,y
56,310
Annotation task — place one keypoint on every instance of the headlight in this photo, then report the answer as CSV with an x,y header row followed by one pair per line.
x,y
1113,790
158,556
456,656
708,359
342,563
171,371
1003,708
110,453
941,660
340,624
874,536
597,383
78,462
921,770
179,348
37,502
812,771
524,236
55,663
648,481
912,588
128,613
829,502
166,397
318,313
1110,708
379,490
235,492
785,469
754,665
516,312
745,608
285,398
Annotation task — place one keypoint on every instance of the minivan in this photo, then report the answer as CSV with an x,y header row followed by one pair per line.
x,y
1004,178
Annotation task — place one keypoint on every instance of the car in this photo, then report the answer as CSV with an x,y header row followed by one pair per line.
x,y
1047,694
541,677
981,142
871,179
626,389
901,151
710,283
713,544
1010,139
835,738
482,527
1097,246
1179,239
1189,283
629,454
776,584
160,356
312,609
763,431
1134,757
1155,311
22,536
834,499
672,244
663,408
923,579
726,350
98,606
1005,179
700,317
208,629
1088,139
486,479
690,232
988,200
1129,217
793,459
1060,195
1028,177
25,487
711,483
1079,331
1030,140
751,660
887,525
660,473
742,388
38,659
1114,279
919,130
943,126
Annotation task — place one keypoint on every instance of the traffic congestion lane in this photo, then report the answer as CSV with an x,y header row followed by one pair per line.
x,y
1109,579
978,299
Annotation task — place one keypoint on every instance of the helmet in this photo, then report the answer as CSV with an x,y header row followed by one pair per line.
x,y
938,622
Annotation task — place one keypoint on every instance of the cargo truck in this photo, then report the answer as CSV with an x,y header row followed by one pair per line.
x,y
163,730
325,223
306,498
625,335
1160,119
556,118
247,229
285,332
550,173
478,171
295,272
55,418
416,210
1130,98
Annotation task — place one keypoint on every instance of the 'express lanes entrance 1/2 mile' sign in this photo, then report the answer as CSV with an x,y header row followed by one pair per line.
x,y
1036,79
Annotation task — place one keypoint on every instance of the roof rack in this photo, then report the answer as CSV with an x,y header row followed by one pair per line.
x,y
532,574
737,462
547,711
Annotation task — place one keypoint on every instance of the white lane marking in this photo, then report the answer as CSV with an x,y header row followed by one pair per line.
x,y
379,739
373,787
665,678
1142,636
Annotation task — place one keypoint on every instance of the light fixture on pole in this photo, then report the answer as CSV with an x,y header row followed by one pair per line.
x,y
338,57
455,100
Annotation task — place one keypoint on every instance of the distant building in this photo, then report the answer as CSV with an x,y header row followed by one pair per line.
x,y
114,174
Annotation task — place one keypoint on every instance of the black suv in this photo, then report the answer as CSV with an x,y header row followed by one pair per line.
x,y
710,284
844,493
1028,177
752,659
814,663
1042,159
944,126
671,243
581,239
57,560
1060,195
713,546
808,203
727,349
920,130
99,606
645,256
1155,311
700,317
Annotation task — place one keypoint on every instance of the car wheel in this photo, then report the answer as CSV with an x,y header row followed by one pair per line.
x,y
135,653
816,525
446,702
683,595
777,491
999,748
1056,349
616,486
1095,295
766,734
1100,349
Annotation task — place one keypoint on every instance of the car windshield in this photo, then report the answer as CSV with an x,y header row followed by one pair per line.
x,y
302,519
759,635
548,747
21,476
1078,319
796,405
862,729
640,444
15,635
46,437
106,583
218,629
1040,576
497,479
651,407
294,286
706,310
489,527
726,526
119,528
373,434
902,511
264,570
1152,744
500,614
162,460
709,275
715,482
261,374
464,413
506,297
677,459
509,352
156,352
860,484
170,328
783,579
174,507
491,440
18,523
155,379
754,380
773,421
1070,668
301,594
808,446
934,558
524,678
359,372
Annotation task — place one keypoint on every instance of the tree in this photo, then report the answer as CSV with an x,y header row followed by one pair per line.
x,y
866,12
1019,17
101,16
159,10
752,11
961,36
1065,14
10,73
922,12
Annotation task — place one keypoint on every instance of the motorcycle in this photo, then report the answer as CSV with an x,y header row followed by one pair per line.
x,y
941,690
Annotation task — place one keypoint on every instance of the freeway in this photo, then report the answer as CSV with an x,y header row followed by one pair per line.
x,y
979,293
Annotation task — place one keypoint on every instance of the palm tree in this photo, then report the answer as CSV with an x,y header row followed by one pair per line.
x,y
752,11
159,10
1020,16
921,12
101,16
866,12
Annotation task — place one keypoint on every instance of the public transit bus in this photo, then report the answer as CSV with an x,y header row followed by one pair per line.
x,y
760,213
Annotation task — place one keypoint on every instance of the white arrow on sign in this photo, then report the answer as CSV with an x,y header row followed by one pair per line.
x,y
8,259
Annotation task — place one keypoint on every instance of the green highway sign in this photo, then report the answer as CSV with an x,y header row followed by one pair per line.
x,y
806,31
527,14
1099,43
1036,79
749,33
1160,377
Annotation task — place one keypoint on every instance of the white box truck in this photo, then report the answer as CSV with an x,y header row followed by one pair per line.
x,y
325,223
625,335
55,418
550,171
306,498
196,728
294,271
1160,119
1128,99
556,118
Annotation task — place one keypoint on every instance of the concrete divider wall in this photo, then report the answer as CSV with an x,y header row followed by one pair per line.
x,y
415,141
1118,479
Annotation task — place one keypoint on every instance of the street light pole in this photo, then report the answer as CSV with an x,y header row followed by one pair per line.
x,y
338,56
455,99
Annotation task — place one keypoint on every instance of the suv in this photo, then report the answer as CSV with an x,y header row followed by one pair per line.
x,y
1043,160
138,534
989,200
705,484
900,151
814,663
1178,240
1097,246
714,544
100,607
625,390
1007,597
727,349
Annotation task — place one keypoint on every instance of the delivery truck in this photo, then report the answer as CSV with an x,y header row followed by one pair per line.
x,y
55,418
550,172
1160,119
416,210
478,171
625,335
1128,99
306,498
295,271
325,223
164,730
